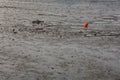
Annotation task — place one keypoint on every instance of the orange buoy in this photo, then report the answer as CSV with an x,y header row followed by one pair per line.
x,y
85,25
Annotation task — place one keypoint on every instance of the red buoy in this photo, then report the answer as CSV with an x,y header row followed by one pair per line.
x,y
85,25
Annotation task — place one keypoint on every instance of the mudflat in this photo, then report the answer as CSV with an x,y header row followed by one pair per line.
x,y
46,40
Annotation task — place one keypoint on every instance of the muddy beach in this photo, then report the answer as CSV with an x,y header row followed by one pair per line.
x,y
45,40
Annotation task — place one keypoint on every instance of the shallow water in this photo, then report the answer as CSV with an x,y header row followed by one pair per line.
x,y
70,2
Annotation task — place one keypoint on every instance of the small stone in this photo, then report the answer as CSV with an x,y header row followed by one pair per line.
x,y
52,68
14,31
13,39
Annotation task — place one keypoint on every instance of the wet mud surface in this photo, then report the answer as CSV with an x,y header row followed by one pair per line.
x,y
47,41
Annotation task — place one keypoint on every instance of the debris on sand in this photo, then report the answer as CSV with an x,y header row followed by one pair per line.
x,y
38,22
